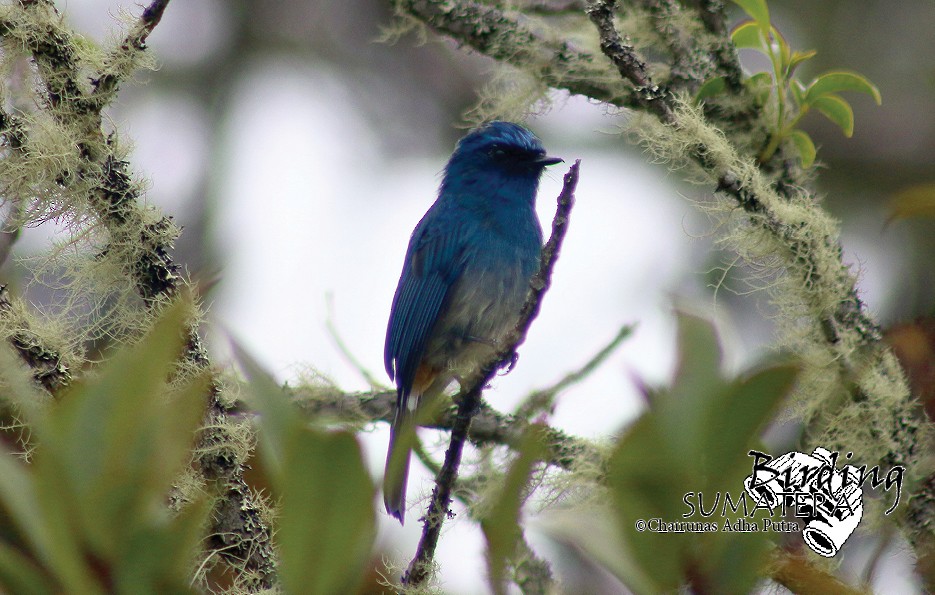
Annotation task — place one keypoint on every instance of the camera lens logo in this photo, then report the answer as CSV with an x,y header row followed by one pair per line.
x,y
830,499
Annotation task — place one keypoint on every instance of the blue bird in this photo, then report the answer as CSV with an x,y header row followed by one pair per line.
x,y
464,280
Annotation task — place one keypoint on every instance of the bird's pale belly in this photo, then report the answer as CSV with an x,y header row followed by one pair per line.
x,y
484,307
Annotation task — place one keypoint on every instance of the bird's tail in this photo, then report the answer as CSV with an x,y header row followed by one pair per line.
x,y
396,473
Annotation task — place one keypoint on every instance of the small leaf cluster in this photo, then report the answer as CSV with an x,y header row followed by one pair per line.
x,y
794,99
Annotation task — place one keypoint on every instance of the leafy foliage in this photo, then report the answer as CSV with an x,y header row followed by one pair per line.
x,y
820,94
693,440
89,514
326,525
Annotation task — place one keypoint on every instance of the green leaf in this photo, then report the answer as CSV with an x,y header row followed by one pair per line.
x,y
748,35
19,574
687,450
590,532
914,201
278,418
501,524
18,499
836,109
645,478
697,381
749,403
326,526
757,10
841,80
798,91
805,147
160,556
114,445
710,88
63,556
798,58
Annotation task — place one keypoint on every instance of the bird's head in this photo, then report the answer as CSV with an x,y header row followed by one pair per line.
x,y
502,148
495,154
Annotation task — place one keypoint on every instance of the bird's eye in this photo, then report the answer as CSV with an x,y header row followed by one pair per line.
x,y
496,150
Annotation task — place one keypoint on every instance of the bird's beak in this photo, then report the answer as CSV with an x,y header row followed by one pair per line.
x,y
546,160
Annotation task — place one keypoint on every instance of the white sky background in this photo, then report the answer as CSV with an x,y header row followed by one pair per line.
x,y
311,208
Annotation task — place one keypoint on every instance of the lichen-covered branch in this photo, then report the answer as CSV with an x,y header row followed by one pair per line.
x,y
488,426
139,242
47,365
508,37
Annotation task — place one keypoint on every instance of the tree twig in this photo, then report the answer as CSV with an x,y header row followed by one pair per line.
x,y
470,399
46,363
623,56
507,37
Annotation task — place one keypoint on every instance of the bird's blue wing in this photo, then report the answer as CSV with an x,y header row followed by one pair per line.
x,y
433,263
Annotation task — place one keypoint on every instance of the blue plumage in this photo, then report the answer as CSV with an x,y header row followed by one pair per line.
x,y
464,279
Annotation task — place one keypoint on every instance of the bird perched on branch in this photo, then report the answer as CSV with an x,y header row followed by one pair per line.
x,y
464,280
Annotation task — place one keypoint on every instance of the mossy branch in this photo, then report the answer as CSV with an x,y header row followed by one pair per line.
x,y
489,427
94,177
506,36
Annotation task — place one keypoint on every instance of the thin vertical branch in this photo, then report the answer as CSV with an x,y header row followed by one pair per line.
x,y
420,567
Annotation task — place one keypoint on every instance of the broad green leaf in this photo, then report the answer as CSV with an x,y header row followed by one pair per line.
x,y
645,478
693,443
757,10
697,381
751,403
326,526
18,499
49,537
501,524
64,520
115,443
594,533
841,80
159,557
19,574
278,419
710,88
914,201
836,109
805,147
748,35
